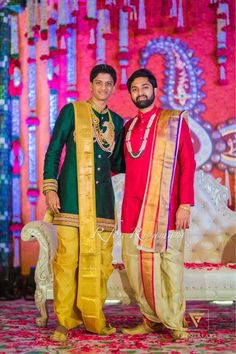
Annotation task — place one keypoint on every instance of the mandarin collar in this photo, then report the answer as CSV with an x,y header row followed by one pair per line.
x,y
147,115
97,108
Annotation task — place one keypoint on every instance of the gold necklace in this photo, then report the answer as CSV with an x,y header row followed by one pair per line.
x,y
106,140
136,155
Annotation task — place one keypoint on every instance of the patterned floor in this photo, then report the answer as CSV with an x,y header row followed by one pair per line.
x,y
212,330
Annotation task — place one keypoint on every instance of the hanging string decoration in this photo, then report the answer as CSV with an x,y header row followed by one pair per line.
x,y
53,65
100,40
92,18
16,155
32,121
72,93
124,55
5,139
223,22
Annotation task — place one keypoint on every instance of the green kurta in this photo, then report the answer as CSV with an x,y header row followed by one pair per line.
x,y
66,182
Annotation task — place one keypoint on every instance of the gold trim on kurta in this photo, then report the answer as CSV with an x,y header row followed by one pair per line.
x,y
67,219
50,185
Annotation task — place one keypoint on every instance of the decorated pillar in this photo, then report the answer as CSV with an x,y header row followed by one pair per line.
x,y
123,55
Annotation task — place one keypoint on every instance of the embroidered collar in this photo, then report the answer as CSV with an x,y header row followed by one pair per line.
x,y
97,108
147,115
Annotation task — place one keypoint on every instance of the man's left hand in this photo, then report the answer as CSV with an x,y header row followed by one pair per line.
x,y
183,217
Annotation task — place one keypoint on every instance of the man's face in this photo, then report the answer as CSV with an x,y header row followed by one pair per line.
x,y
102,87
142,92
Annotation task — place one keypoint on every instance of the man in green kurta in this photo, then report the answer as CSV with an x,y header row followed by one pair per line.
x,y
80,199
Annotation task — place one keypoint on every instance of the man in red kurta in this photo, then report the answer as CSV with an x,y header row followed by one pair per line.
x,y
156,207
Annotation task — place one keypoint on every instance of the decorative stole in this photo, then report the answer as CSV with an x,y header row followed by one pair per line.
x,y
151,233
89,294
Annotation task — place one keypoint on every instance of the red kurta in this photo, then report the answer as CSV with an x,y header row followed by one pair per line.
x,y
137,171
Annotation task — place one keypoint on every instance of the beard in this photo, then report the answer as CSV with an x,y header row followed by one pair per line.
x,y
144,103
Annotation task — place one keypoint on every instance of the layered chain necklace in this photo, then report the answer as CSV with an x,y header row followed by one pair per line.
x,y
105,139
136,155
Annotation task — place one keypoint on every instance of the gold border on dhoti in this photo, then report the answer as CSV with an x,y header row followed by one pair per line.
x,y
67,219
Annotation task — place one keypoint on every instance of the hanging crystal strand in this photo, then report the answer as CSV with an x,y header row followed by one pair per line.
x,y
5,140
107,24
222,52
36,24
123,55
32,121
110,2
173,10
101,43
213,3
127,7
43,20
44,30
142,16
180,21
72,93
53,66
92,17
62,25
16,156
62,35
30,20
74,8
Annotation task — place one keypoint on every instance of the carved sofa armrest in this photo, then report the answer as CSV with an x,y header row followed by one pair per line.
x,y
45,234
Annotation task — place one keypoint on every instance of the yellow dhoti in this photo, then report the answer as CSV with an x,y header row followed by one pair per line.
x,y
66,265
157,280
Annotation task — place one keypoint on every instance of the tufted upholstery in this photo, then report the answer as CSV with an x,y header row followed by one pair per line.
x,y
213,225
210,237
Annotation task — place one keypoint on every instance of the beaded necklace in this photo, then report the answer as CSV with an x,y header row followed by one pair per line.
x,y
136,155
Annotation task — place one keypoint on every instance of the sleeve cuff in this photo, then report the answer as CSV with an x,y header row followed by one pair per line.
x,y
50,185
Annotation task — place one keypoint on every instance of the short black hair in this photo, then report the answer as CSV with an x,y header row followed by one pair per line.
x,y
142,73
103,68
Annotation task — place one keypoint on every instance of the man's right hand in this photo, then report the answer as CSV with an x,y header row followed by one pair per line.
x,y
53,202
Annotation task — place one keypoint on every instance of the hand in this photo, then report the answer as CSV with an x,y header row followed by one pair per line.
x,y
53,202
182,217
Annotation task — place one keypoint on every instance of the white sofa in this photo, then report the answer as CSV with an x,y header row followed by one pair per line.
x,y
211,238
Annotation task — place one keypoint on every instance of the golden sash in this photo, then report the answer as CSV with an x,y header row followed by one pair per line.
x,y
89,288
151,233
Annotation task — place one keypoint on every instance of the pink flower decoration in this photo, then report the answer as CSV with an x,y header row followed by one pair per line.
x,y
44,34
32,121
33,192
51,21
